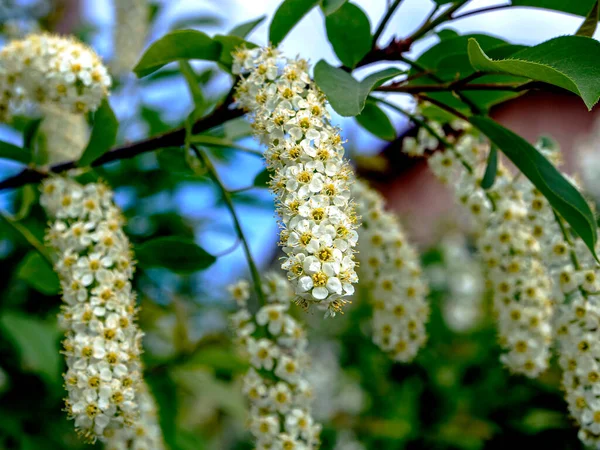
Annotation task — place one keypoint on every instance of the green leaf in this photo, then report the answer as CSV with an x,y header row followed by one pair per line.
x,y
194,87
346,95
374,120
36,342
217,358
164,390
569,62
589,25
177,254
38,273
228,45
10,151
28,198
449,59
289,13
104,134
349,32
199,22
181,44
331,6
262,179
447,33
579,7
562,195
492,168
30,134
244,29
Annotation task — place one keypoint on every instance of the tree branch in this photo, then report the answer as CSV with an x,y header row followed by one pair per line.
x,y
172,138
449,87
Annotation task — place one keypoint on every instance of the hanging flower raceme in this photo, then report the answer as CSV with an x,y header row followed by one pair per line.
x,y
43,68
309,175
576,277
275,385
130,33
145,434
103,343
391,267
510,249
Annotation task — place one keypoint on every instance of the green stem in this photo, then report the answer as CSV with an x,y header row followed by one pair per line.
x,y
444,107
388,15
212,171
431,24
29,237
213,141
428,127
415,119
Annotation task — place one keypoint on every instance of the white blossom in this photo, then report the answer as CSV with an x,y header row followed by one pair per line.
x,y
43,68
275,386
390,266
509,247
309,175
102,346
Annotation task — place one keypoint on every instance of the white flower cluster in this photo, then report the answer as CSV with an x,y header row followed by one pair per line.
x,y
310,177
576,278
103,343
275,385
391,267
43,68
508,245
145,434
130,33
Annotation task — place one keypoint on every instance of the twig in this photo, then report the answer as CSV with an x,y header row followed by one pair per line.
x,y
450,87
482,10
388,15
236,222
444,107
172,138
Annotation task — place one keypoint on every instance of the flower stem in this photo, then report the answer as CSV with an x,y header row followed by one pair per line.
x,y
212,171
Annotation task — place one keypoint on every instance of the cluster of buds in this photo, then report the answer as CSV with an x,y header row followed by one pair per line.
x,y
391,267
309,175
102,345
275,385
510,249
43,68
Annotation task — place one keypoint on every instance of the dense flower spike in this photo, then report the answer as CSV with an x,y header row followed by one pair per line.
x,y
391,267
275,385
310,177
103,343
509,246
43,68
130,33
145,434
576,278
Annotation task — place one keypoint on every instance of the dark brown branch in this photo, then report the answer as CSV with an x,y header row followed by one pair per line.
x,y
448,87
173,138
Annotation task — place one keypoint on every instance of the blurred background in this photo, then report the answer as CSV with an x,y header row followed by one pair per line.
x,y
455,396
